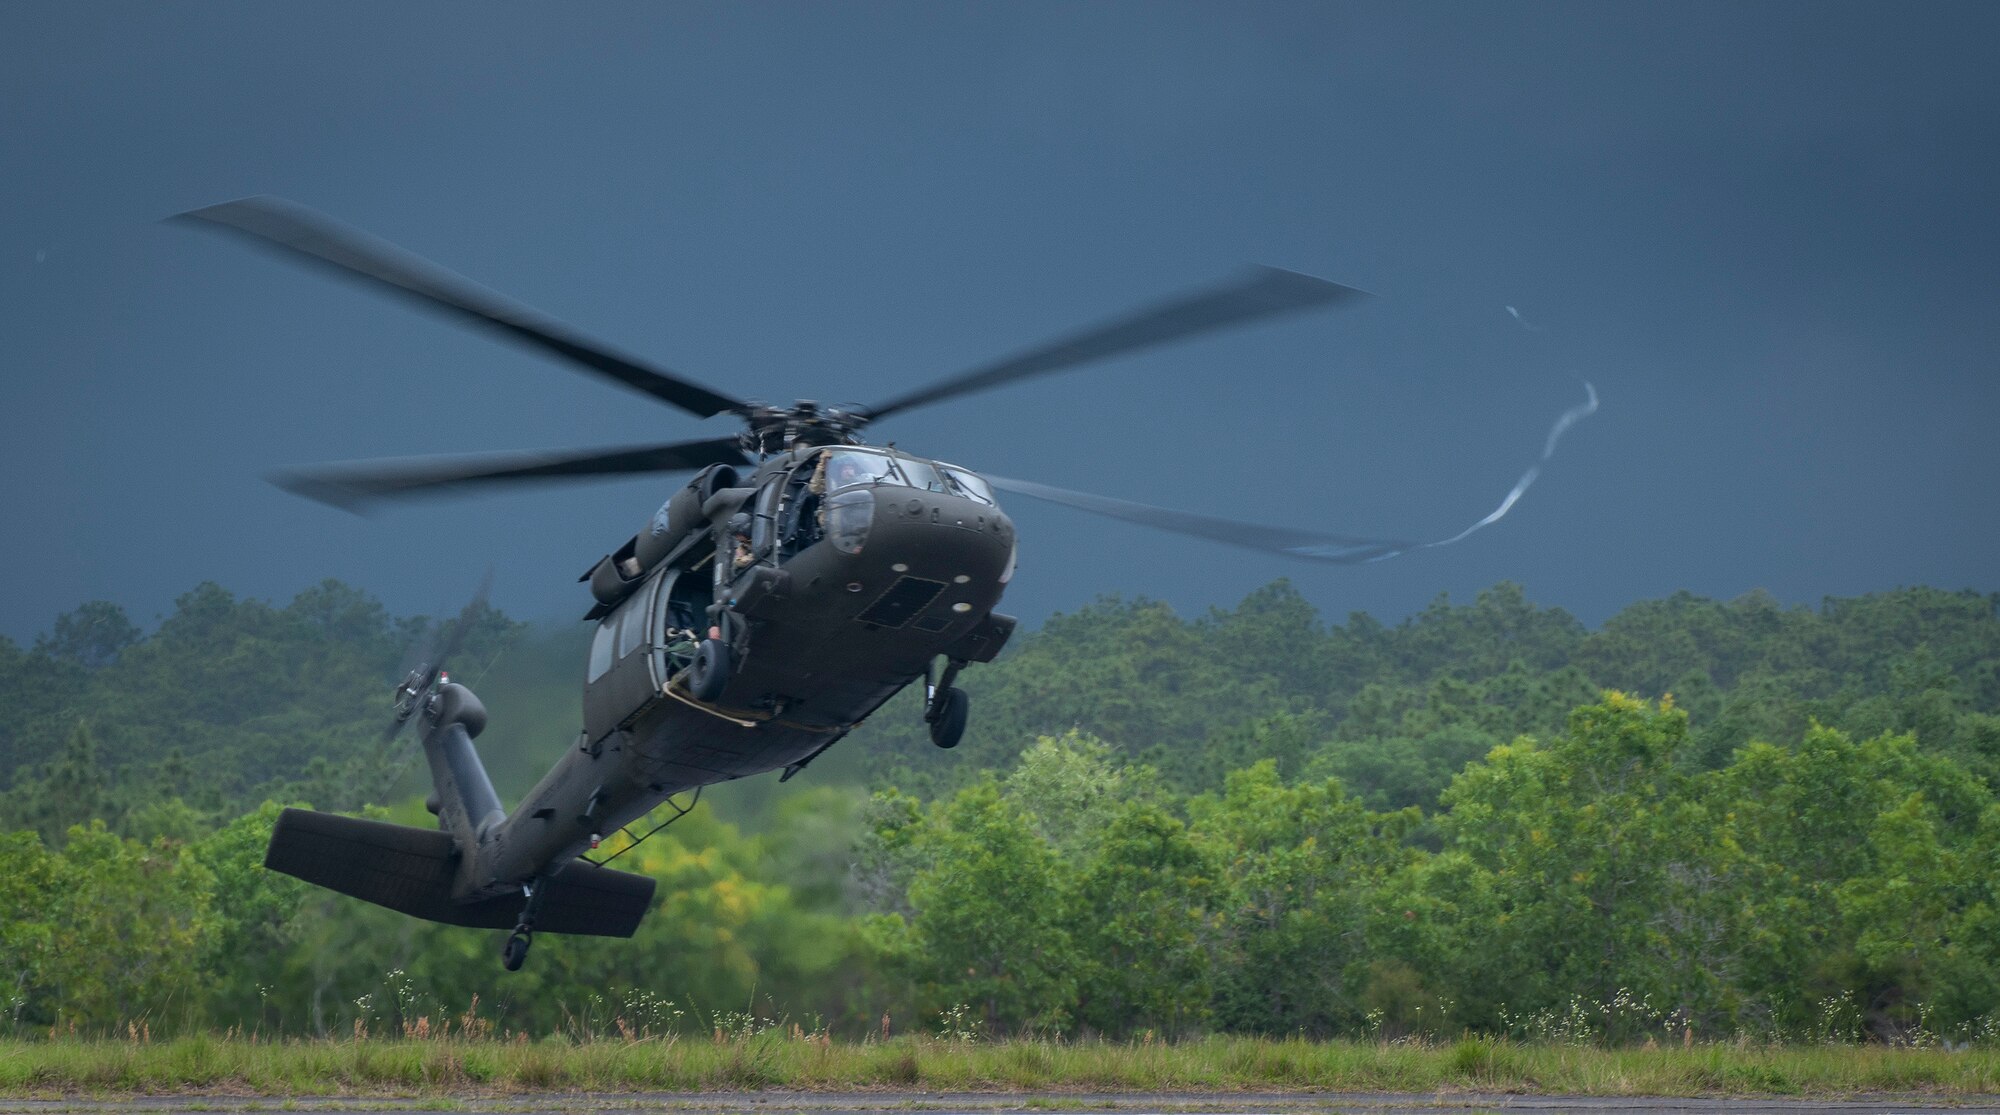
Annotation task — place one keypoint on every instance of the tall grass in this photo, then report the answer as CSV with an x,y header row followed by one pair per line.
x,y
793,1059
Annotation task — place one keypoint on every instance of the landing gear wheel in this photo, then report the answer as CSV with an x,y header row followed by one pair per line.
x,y
948,726
709,675
515,952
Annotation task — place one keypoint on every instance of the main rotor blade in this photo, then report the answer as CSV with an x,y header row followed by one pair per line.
x,y
1264,292
275,222
352,485
1340,549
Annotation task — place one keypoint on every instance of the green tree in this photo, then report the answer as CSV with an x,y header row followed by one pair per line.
x,y
92,636
29,880
1071,787
72,788
1606,877
254,916
131,927
1860,864
1297,867
989,925
1138,917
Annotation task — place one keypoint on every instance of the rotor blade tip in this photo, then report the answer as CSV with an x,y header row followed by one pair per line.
x,y
320,490
213,213
1306,283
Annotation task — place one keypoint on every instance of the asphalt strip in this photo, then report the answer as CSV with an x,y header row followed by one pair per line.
x,y
987,1103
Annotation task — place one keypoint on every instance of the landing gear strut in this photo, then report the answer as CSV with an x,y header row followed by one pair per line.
x,y
515,952
946,709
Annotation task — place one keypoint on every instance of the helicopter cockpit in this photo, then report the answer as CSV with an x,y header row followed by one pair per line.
x,y
849,467
829,494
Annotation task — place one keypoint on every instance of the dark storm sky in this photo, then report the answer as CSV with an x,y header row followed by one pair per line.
x,y
1767,233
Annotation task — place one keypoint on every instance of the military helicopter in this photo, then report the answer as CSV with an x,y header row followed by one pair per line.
x,y
799,580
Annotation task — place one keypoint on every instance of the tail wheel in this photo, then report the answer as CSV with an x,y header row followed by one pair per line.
x,y
949,727
709,675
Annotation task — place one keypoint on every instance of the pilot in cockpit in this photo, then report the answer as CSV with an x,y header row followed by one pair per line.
x,y
846,470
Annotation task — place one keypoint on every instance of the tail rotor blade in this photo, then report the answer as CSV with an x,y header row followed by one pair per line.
x,y
416,686
454,636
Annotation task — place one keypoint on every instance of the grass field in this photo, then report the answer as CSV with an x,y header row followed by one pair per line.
x,y
451,1066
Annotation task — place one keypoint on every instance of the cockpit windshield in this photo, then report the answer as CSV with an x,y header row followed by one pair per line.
x,y
921,475
846,468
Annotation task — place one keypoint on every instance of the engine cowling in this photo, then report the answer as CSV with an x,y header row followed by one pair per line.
x,y
616,574
671,524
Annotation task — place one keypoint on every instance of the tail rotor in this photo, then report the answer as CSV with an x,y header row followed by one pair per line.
x,y
414,692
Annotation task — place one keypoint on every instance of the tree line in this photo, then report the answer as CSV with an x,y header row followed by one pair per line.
x,y
1702,818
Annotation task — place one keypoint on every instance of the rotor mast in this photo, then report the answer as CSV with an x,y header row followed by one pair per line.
x,y
804,424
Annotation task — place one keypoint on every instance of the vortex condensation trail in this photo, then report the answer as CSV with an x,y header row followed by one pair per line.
x,y
1569,418
1311,544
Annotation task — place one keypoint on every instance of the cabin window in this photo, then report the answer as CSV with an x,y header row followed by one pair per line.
x,y
635,618
631,628
600,649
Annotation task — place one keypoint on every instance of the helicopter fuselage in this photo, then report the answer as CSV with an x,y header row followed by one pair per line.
x,y
831,596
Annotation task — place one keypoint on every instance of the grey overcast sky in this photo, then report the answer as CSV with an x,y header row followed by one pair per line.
x,y
1768,233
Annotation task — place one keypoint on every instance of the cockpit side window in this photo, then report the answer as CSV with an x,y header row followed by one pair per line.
x,y
764,519
798,510
968,484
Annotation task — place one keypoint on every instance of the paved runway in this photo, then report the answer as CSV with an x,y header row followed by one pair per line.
x,y
986,1103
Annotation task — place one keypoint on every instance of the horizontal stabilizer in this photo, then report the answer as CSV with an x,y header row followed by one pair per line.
x,y
410,870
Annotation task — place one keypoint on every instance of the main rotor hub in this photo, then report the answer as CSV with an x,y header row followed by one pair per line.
x,y
804,423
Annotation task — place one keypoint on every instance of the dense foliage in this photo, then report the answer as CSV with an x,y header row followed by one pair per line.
x,y
1249,822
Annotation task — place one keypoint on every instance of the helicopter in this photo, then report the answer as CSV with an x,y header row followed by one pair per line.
x,y
800,579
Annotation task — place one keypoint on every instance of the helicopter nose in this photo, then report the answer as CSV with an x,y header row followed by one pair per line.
x,y
947,527
952,512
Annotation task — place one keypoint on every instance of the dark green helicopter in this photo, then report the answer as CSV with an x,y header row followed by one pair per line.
x,y
799,581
